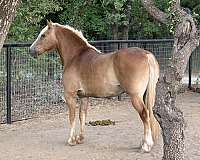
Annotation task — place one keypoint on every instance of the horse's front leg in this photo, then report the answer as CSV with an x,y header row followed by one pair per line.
x,y
82,118
71,102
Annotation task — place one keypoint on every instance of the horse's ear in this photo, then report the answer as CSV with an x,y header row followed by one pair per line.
x,y
49,23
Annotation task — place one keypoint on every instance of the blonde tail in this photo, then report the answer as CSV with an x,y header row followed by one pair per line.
x,y
151,93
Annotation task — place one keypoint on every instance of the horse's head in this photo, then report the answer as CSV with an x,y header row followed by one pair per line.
x,y
45,41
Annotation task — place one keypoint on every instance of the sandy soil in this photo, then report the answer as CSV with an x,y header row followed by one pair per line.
x,y
44,138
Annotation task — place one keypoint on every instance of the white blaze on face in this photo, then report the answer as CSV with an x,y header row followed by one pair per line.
x,y
39,36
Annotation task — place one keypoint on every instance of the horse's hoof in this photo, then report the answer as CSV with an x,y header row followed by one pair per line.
x,y
79,139
72,141
146,148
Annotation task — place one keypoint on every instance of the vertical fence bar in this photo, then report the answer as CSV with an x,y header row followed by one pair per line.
x,y
119,97
190,73
8,86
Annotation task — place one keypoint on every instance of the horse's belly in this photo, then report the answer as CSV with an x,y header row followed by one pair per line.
x,y
101,91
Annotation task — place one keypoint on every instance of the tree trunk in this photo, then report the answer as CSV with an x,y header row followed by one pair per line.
x,y
115,46
115,31
125,26
186,39
125,31
7,14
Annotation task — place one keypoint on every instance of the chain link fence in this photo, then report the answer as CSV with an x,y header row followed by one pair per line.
x,y
32,87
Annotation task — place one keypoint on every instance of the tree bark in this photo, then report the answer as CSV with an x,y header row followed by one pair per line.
x,y
154,11
7,14
186,39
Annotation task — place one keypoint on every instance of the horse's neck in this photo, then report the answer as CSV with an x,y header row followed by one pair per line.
x,y
69,45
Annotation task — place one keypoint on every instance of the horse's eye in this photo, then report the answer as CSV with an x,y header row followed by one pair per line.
x,y
43,35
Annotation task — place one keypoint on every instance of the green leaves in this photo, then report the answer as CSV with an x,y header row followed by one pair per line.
x,y
119,4
29,18
94,18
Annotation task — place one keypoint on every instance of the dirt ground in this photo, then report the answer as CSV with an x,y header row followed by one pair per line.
x,y
44,138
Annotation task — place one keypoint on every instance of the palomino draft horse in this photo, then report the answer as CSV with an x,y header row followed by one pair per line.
x,y
87,73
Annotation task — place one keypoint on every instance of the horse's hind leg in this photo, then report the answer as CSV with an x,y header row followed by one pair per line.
x,y
139,105
71,102
82,118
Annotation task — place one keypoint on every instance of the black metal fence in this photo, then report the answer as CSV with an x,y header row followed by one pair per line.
x,y
31,87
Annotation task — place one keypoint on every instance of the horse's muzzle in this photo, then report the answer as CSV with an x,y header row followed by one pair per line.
x,y
33,52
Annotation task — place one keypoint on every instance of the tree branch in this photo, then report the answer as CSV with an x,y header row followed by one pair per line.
x,y
154,11
7,14
176,5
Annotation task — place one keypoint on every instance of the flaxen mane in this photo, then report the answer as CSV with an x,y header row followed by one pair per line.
x,y
77,33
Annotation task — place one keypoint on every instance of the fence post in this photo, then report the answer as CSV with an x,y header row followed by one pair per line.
x,y
8,85
190,73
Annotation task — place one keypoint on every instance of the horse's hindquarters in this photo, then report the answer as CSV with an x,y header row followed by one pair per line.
x,y
132,70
